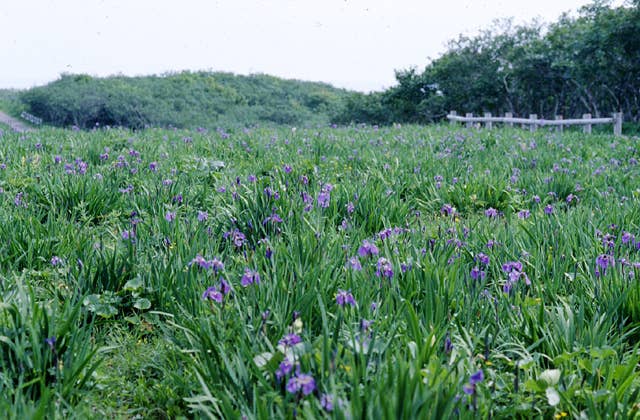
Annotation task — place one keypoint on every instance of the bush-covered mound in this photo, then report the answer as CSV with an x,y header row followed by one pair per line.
x,y
181,100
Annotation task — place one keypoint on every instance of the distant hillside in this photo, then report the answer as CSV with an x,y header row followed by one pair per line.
x,y
199,99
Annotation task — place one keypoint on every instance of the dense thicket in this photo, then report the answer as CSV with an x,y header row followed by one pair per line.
x,y
589,63
182,100
10,101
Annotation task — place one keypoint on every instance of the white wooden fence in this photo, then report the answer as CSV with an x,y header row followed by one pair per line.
x,y
31,118
534,122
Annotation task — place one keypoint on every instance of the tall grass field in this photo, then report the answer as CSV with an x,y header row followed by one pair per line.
x,y
350,273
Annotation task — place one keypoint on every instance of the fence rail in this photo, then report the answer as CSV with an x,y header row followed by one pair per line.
x,y
534,122
31,118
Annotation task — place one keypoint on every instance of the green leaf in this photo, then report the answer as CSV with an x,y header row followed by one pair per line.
x,y
105,311
603,353
91,302
133,284
142,304
533,386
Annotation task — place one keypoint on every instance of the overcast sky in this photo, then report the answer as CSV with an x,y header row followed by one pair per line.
x,y
355,44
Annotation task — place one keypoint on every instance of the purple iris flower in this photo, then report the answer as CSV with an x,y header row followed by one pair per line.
x,y
323,199
249,277
225,287
326,402
290,340
19,200
384,268
491,212
51,342
447,210
284,369
475,379
524,214
301,382
384,234
354,263
448,345
202,216
238,238
515,273
128,234
350,207
477,274
213,294
603,262
368,249
344,297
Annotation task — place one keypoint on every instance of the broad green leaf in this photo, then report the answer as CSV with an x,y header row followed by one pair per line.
x,y
142,304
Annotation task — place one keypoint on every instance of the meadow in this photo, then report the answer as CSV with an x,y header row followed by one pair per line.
x,y
354,272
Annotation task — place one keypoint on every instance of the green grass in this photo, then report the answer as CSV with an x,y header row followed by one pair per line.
x,y
100,234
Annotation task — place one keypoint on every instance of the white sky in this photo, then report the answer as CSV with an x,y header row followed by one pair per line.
x,y
355,44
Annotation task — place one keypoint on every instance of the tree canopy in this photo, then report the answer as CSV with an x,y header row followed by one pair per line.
x,y
589,63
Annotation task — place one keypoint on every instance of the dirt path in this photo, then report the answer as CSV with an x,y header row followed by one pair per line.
x,y
15,124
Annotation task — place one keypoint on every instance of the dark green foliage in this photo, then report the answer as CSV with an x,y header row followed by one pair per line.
x,y
584,64
10,102
181,100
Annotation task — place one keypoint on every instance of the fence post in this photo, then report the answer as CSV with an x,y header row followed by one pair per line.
x,y
469,123
559,127
452,113
489,123
533,126
587,127
509,115
617,123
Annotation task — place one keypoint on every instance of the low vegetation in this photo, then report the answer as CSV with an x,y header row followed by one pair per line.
x,y
201,99
414,272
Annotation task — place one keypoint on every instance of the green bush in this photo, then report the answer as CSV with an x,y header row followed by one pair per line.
x,y
181,100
